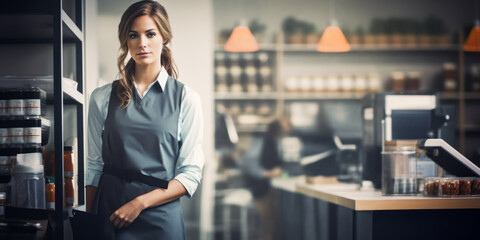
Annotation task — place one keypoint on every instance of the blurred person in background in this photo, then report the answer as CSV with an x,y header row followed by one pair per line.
x,y
260,163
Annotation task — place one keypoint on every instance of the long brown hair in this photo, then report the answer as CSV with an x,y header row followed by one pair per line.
x,y
127,71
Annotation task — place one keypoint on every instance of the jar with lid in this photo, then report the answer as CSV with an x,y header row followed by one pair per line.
x,y
374,82
318,83
305,84
449,76
332,83
28,186
265,77
236,73
413,81
3,102
221,72
398,81
15,103
34,100
346,83
360,83
291,84
399,173
251,72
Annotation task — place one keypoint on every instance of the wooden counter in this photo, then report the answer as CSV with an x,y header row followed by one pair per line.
x,y
341,211
348,196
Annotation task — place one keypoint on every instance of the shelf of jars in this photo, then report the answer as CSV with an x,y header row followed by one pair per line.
x,y
246,95
371,48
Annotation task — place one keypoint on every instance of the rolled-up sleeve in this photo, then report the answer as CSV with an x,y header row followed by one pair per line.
x,y
96,119
190,161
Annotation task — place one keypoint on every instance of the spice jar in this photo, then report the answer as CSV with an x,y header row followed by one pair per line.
x,y
449,76
3,103
50,193
34,101
413,81
15,103
398,81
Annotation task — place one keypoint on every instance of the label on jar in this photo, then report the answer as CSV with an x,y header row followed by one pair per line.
x,y
32,107
16,107
4,139
16,135
33,135
3,107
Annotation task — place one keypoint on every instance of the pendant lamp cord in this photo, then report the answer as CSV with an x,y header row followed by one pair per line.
x,y
477,20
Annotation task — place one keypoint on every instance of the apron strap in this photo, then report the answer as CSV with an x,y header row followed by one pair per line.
x,y
135,176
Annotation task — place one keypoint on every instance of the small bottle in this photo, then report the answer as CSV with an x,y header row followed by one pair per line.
x,y
449,76
69,192
50,193
68,161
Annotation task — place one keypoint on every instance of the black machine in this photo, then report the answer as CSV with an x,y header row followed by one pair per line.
x,y
448,158
391,116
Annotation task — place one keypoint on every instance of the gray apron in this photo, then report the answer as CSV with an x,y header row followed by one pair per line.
x,y
141,138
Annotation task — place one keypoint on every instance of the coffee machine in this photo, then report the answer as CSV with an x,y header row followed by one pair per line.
x,y
388,116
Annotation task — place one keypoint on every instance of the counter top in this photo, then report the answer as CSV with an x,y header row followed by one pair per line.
x,y
349,196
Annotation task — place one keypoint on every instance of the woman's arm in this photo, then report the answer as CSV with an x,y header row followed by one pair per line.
x,y
97,109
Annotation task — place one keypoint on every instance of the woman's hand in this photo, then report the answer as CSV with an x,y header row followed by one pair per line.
x,y
126,214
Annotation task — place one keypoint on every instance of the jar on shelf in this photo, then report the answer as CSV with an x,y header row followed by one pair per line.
x,y
251,72
262,58
318,83
220,58
249,108
15,103
291,84
450,77
264,109
265,78
413,81
398,81
305,84
346,83
3,102
475,78
221,72
374,82
236,73
360,83
332,83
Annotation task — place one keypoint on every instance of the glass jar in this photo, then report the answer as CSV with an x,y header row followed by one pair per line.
x,y
399,172
398,81
431,186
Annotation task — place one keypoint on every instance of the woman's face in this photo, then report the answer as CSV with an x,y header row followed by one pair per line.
x,y
145,41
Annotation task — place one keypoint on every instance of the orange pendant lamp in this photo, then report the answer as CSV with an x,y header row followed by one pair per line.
x,y
333,40
241,40
473,40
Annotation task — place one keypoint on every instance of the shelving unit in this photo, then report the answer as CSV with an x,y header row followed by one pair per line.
x,y
280,96
53,24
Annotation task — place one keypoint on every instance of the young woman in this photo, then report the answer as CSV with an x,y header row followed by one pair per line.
x,y
144,135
